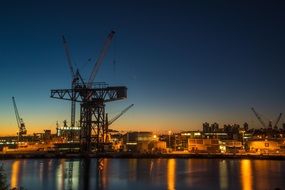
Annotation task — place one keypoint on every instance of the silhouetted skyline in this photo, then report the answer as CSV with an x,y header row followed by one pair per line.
x,y
184,63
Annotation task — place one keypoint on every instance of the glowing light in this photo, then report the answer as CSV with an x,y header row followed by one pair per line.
x,y
15,174
131,143
171,171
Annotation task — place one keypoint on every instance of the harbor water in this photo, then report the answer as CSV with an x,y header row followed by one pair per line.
x,y
145,174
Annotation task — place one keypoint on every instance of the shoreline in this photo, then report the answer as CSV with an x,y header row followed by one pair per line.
x,y
43,155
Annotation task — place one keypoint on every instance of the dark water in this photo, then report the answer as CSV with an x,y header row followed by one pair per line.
x,y
146,174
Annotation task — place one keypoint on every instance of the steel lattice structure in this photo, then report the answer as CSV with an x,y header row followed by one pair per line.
x,y
92,98
92,111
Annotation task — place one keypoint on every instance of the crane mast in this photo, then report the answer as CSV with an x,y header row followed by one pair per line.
x,y
73,84
76,77
20,122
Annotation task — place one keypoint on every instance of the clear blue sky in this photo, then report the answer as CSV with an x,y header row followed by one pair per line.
x,y
184,62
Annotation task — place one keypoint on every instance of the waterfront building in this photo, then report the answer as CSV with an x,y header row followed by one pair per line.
x,y
139,141
204,145
184,136
68,133
263,146
216,135
231,146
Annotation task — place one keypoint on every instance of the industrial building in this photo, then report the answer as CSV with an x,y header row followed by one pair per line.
x,y
143,142
263,146
204,145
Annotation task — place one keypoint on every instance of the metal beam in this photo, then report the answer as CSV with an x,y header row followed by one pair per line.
x,y
92,111
107,94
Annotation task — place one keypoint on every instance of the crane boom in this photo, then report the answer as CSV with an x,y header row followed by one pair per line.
x,y
100,58
258,117
278,119
75,75
119,115
16,112
68,56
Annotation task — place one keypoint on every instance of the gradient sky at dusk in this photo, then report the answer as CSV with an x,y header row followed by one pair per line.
x,y
184,62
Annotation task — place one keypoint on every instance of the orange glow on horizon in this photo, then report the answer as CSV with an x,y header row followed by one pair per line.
x,y
158,124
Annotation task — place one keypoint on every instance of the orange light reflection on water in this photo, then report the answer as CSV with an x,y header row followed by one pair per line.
x,y
246,175
171,172
15,174
223,175
104,174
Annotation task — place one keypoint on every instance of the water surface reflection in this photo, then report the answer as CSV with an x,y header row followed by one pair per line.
x,y
145,174
171,174
246,175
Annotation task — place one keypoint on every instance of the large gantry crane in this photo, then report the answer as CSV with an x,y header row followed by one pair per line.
x,y
92,98
20,122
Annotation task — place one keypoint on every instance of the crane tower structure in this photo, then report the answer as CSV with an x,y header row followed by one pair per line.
x,y
92,98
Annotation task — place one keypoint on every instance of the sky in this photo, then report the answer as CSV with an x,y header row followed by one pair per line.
x,y
184,62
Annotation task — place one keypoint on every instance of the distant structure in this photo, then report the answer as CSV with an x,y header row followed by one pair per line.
x,y
275,125
110,122
210,128
69,133
92,97
20,122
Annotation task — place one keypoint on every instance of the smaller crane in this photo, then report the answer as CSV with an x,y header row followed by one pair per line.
x,y
270,122
108,123
20,122
258,117
277,120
